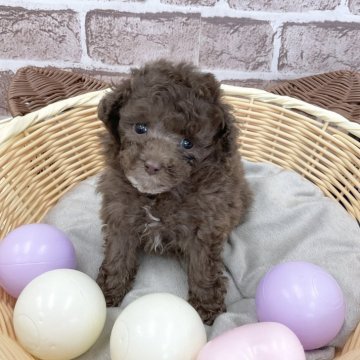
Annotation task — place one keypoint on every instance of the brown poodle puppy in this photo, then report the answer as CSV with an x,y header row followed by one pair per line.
x,y
173,181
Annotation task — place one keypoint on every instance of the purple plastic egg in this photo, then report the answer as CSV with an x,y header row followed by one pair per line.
x,y
30,250
306,299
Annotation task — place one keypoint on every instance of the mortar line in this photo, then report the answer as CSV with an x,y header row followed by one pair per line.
x,y
277,27
220,9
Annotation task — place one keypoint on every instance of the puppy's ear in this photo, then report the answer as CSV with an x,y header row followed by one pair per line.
x,y
206,86
227,136
110,105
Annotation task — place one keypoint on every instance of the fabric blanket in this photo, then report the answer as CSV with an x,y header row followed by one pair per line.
x,y
290,220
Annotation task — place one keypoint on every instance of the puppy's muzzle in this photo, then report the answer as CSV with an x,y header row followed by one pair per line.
x,y
152,167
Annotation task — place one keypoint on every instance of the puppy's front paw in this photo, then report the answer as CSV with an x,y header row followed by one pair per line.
x,y
101,278
208,311
111,289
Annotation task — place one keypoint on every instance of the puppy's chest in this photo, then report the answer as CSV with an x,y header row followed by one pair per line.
x,y
155,231
151,233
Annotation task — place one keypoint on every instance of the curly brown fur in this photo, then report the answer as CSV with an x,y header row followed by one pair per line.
x,y
159,193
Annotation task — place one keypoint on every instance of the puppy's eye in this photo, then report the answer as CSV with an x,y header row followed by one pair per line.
x,y
141,128
186,144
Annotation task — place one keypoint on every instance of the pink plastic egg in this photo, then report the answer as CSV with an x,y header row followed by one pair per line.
x,y
267,340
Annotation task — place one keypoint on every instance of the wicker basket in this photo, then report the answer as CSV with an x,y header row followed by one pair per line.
x,y
47,152
337,91
32,88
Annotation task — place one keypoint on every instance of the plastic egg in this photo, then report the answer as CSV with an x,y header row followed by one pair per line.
x,y
260,341
59,315
157,327
31,250
305,298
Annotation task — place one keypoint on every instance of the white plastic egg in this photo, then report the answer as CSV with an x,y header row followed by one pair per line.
x,y
59,315
157,327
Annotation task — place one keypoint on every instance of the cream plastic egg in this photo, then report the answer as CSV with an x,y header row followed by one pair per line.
x,y
59,315
158,326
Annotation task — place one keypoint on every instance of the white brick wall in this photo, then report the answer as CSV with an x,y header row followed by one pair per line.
x,y
249,41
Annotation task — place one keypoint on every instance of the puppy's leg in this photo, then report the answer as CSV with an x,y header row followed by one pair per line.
x,y
207,282
119,266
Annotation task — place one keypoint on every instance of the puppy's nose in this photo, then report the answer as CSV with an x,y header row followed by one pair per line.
x,y
152,167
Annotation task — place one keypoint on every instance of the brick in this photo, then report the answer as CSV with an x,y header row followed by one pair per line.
x,y
41,35
106,76
320,47
241,44
252,83
131,39
354,6
5,78
191,2
284,5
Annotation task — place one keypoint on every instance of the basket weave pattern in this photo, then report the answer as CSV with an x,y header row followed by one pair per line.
x,y
60,148
33,88
321,153
338,91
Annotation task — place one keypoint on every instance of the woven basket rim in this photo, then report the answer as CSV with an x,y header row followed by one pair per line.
x,y
291,103
13,126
